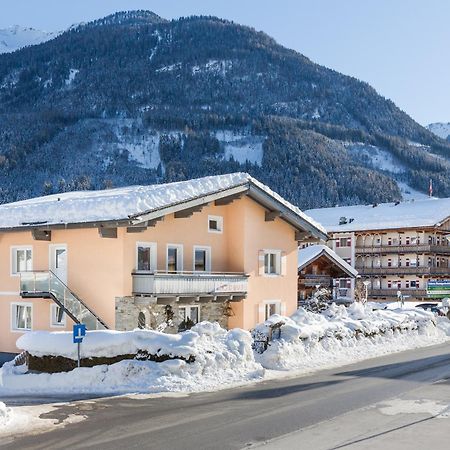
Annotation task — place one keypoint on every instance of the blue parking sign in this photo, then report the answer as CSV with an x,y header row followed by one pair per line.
x,y
79,331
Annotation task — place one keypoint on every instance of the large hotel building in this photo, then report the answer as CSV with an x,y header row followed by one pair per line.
x,y
400,248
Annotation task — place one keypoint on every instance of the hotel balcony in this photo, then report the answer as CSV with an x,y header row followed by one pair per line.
x,y
420,248
410,270
197,285
392,292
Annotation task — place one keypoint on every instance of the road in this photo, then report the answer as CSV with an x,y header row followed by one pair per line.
x,y
288,413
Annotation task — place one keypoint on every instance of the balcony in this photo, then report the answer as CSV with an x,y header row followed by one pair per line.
x,y
412,292
229,286
410,270
418,248
311,280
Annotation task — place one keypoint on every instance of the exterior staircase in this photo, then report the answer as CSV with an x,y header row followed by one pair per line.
x,y
45,284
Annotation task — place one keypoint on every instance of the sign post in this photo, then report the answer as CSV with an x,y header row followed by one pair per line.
x,y
79,332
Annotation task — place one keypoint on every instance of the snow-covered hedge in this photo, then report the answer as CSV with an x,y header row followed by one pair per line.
x,y
305,342
221,358
109,343
307,338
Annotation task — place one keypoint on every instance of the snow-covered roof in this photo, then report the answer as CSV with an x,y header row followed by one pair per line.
x,y
411,214
137,203
309,254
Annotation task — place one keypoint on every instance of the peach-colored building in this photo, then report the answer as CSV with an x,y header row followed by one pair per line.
x,y
221,248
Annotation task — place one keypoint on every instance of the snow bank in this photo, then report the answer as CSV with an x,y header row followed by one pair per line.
x,y
222,358
304,342
109,343
5,415
309,341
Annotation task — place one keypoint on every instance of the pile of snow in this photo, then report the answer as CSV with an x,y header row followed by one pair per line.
x,y
5,415
308,341
222,358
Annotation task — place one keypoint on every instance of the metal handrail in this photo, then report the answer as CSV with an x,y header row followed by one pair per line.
x,y
54,293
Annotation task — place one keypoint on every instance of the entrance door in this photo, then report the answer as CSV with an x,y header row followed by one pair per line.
x,y
58,261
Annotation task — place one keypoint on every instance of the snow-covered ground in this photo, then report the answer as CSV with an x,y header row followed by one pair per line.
x,y
241,146
307,342
19,420
16,37
440,129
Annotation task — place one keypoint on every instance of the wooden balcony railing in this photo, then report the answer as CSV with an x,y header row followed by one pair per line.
x,y
392,292
417,270
415,248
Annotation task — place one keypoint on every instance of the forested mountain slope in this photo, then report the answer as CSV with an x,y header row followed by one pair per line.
x,y
133,98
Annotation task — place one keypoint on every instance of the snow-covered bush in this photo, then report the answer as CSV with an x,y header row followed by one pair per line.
x,y
313,340
221,358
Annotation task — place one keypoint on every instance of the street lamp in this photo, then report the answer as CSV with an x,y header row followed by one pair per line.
x,y
366,290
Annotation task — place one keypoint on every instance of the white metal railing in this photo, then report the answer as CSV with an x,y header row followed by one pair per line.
x,y
46,283
189,283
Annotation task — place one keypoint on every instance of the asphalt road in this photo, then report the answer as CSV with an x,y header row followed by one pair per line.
x,y
242,417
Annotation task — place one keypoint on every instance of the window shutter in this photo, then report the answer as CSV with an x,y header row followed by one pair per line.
x,y
337,243
261,262
283,308
283,263
349,242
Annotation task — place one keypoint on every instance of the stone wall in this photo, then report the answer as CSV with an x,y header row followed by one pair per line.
x,y
163,317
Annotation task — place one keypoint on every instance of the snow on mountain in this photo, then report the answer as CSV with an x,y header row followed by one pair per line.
x,y
16,37
440,129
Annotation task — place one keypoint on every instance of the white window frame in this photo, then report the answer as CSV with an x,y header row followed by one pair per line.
x,y
53,324
180,259
219,220
13,258
208,258
278,262
153,255
188,309
14,329
268,303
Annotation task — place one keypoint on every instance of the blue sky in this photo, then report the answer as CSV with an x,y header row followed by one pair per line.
x,y
400,47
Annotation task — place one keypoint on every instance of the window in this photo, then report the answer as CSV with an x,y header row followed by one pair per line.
x,y
407,262
271,308
215,224
21,316
174,258
389,241
344,242
389,262
202,259
412,283
145,256
57,316
389,284
189,316
270,263
407,284
21,260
